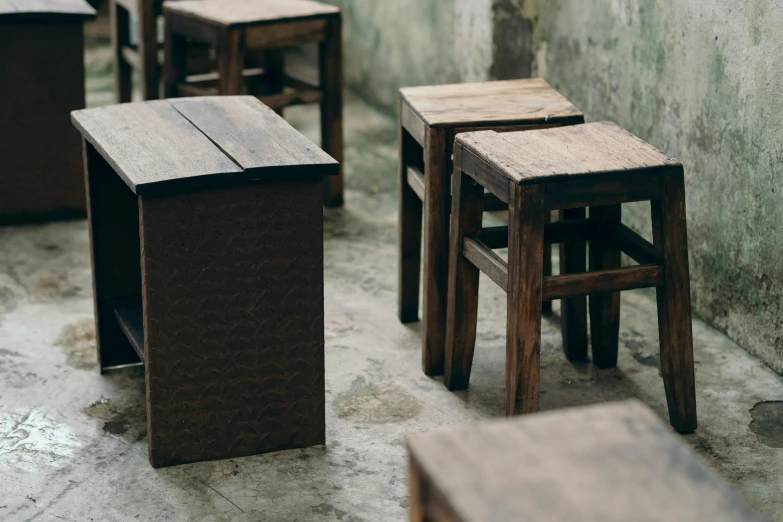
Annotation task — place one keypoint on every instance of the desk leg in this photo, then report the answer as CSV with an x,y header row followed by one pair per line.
x,y
113,217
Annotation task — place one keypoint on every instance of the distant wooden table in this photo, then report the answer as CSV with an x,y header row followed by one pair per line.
x,y
241,30
206,227
609,463
41,82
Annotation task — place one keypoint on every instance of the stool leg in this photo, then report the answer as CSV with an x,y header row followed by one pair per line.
x,y
409,232
175,62
573,310
526,222
674,302
148,50
120,37
546,306
330,59
436,245
467,211
274,67
231,60
604,306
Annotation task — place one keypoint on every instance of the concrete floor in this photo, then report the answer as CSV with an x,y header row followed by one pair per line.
x,y
72,443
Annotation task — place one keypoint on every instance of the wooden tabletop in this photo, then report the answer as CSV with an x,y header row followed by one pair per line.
x,y
530,100
563,152
46,9
203,141
609,463
235,13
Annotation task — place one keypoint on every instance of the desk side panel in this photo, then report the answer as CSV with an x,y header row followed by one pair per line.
x,y
233,320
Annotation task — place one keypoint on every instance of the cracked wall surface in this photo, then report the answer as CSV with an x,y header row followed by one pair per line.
x,y
389,45
699,79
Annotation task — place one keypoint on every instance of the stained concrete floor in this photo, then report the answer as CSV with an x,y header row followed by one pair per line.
x,y
72,442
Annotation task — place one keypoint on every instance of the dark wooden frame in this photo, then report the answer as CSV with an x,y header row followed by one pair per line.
x,y
213,278
42,71
235,43
664,266
143,56
424,166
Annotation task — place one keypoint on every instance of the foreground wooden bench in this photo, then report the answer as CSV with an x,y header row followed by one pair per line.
x,y
608,463
206,227
41,82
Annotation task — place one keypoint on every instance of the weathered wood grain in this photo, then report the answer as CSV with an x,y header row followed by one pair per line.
x,y
436,249
151,143
563,152
46,9
463,281
467,104
525,295
409,227
262,143
237,13
670,238
200,141
609,463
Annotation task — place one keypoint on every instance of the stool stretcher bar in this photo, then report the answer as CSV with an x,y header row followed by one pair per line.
x,y
558,287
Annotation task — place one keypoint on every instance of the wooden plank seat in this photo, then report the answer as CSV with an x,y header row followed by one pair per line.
x,y
597,165
240,31
608,463
206,229
42,71
429,119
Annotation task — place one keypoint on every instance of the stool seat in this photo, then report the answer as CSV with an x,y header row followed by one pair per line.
x,y
46,9
237,13
527,101
185,143
564,152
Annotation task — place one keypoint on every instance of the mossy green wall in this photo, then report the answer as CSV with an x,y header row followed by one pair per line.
x,y
702,80
393,44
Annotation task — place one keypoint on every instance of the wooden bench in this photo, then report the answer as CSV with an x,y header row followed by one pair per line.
x,y
429,119
240,31
206,228
596,165
610,463
41,82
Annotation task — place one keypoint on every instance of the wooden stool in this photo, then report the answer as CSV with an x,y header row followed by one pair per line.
x,y
143,56
609,463
429,118
42,81
239,27
596,165
207,255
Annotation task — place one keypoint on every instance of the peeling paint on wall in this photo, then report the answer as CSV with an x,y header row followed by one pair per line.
x,y
699,79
